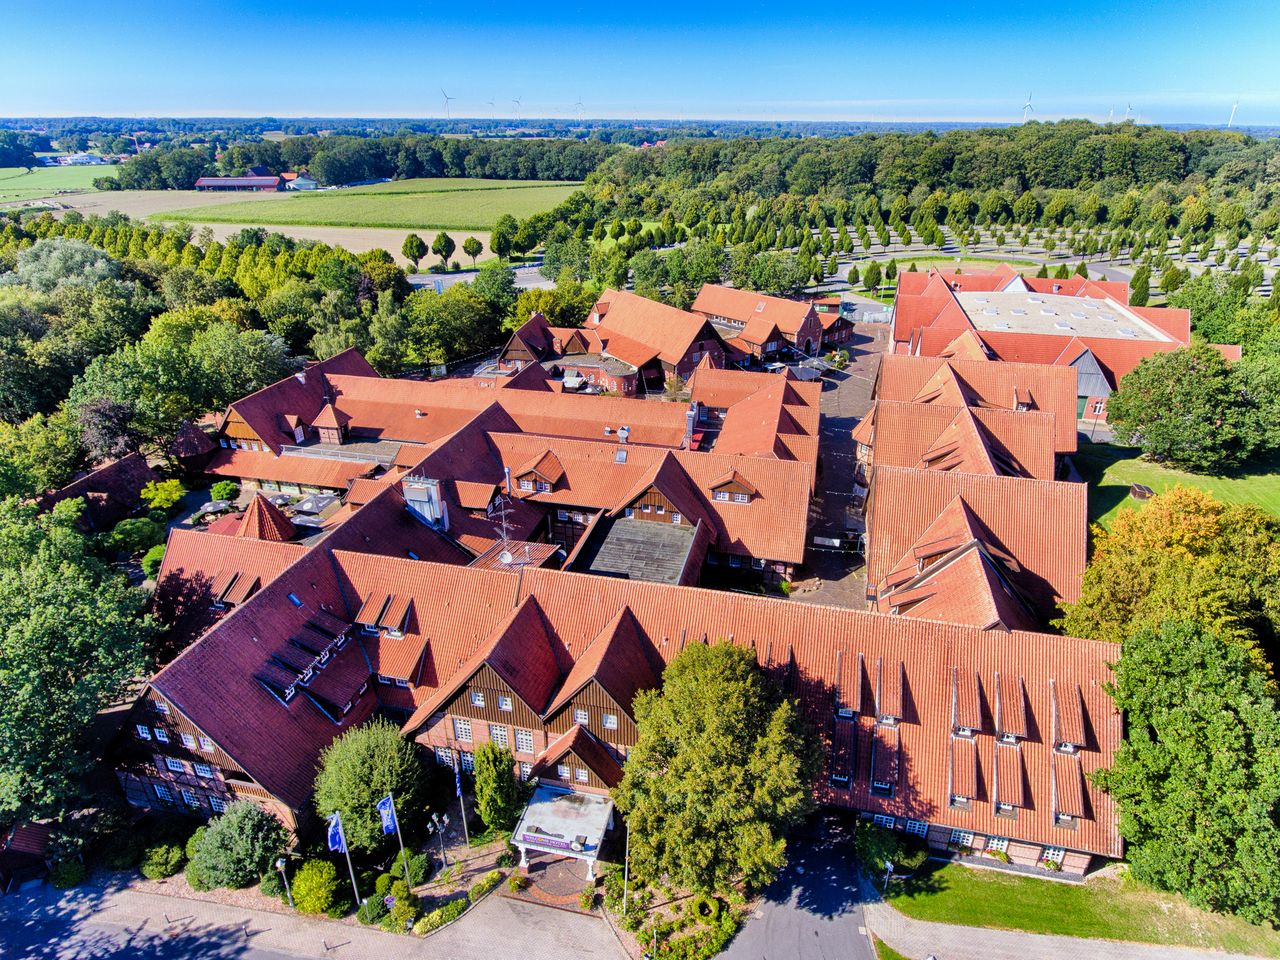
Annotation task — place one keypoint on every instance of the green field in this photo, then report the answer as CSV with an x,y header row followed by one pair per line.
x,y
1111,470
886,952
18,183
453,204
924,264
1104,908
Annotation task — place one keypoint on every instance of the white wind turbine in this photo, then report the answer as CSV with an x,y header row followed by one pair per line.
x,y
1128,109
1232,119
447,113
1027,109
492,109
516,102
582,117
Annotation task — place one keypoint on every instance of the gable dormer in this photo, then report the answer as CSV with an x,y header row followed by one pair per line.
x,y
542,474
733,487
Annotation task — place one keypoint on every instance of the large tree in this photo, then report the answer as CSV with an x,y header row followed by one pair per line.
x,y
720,771
1197,778
72,634
414,248
1182,408
359,769
497,790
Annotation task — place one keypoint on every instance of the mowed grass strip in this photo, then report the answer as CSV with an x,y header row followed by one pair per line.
x,y
456,209
1111,471
18,183
1107,908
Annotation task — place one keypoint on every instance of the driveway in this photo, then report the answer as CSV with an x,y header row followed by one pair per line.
x,y
811,912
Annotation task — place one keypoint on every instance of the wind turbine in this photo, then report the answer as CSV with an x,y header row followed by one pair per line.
x,y
1232,119
492,109
448,115
1128,109
1111,114
1027,109
582,111
516,102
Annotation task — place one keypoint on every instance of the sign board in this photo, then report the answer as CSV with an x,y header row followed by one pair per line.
x,y
439,370
546,840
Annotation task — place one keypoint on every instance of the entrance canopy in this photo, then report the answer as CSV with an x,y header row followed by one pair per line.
x,y
565,823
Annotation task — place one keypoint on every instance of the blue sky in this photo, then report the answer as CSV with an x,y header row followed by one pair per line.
x,y
1176,61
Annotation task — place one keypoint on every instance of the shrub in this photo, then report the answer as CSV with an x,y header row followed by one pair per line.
x,y
876,846
372,910
785,588
509,857
196,878
404,911
497,790
193,842
439,917
419,868
224,490
121,849
517,882
484,885
382,886
66,874
705,909
163,860
239,846
587,899
157,516
135,535
162,494
271,884
315,886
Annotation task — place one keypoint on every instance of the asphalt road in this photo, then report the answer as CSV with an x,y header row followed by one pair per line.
x,y
813,911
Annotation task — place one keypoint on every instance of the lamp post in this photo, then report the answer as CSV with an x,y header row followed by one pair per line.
x,y
438,823
280,864
626,867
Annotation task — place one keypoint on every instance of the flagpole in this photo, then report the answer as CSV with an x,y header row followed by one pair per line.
x,y
346,849
404,857
457,782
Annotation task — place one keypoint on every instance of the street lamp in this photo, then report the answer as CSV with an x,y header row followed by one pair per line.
x,y
285,877
437,825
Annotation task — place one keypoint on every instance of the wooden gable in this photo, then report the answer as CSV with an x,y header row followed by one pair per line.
x,y
235,427
593,698
491,687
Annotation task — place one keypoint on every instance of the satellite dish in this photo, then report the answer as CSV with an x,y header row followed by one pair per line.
x,y
507,557
576,846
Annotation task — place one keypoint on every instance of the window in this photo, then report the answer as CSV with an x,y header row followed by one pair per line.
x,y
144,732
206,745
222,442
620,455
468,761
1099,407
917,828
579,517
504,703
498,736
675,518
1009,738
218,804
160,706
629,513
544,487
581,716
880,820
564,514
524,741
735,561
191,798
526,485
384,679
882,788
998,844
163,793
961,838
966,732
444,756
203,770
177,766
722,496
646,508
562,771
1054,854
757,563
462,729
1007,810
188,741
580,774
526,769
661,509
741,497
477,698
162,735
959,801
1064,820
609,721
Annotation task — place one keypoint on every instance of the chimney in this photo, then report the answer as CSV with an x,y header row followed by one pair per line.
x,y
690,418
425,501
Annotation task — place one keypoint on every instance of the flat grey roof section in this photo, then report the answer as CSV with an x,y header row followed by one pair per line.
x,y
636,550
1019,311
563,822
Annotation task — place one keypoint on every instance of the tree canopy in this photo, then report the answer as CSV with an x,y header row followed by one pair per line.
x,y
721,770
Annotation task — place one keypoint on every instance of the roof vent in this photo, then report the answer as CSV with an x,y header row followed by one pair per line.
x,y
991,312
1035,299
760,307
1128,332
981,299
1019,311
419,414
1002,325
1106,316
1078,314
624,434
301,377
608,431
1048,311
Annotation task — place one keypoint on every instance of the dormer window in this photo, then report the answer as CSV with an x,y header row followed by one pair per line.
x,y
887,719
543,486
845,713
1009,738
526,485
741,498
722,496
1066,746
1007,810
882,788
959,801
966,732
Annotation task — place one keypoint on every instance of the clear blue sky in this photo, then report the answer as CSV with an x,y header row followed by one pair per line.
x,y
1173,61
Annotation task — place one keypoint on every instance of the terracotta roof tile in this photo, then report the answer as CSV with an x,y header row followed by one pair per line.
x,y
262,520
745,306
290,468
664,331
579,741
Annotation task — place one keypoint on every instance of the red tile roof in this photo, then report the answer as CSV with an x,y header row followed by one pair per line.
x,y
290,468
264,521
745,306
110,492
663,331
579,741
982,383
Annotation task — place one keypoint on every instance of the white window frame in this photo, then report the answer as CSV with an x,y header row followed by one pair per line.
x,y
562,515
175,765
962,838
543,487
143,731
526,486
477,698
160,706
498,735
660,509
742,498
203,770
163,793
444,757
722,496
580,775
562,771
162,735
675,518
998,844
206,745
505,704
462,729
468,761
526,770
218,805
1054,854
188,741
917,828
609,721
191,798
581,716
524,741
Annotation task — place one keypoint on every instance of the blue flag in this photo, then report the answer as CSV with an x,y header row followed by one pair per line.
x,y
457,779
387,810
337,841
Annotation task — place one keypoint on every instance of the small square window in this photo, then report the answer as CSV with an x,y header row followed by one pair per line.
x,y
629,513
741,497
160,706
188,741
722,496
526,769
562,771
218,804
1007,810
675,518
881,820
661,509
401,682
581,716
177,766
190,797
498,735
144,732
609,721
961,838
477,698
564,514
580,774
206,745
544,487
917,828
646,508
163,793
998,844
757,563
526,485
162,735
204,770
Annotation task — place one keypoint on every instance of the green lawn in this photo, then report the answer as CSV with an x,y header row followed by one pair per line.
x,y
1111,470
886,952
18,183
454,204
923,264
1106,908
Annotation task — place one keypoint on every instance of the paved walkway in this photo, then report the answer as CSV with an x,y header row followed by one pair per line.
x,y
919,938
52,925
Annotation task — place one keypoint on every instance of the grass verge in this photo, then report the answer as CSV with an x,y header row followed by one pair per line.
x,y
1106,907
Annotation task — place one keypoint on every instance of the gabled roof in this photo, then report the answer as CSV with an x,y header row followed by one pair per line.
x,y
669,478
546,465
664,331
262,520
966,585
330,416
290,468
579,741
619,659
967,346
110,491
745,306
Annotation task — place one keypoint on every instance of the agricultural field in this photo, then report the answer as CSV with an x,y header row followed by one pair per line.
x,y
1110,471
408,204
18,185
